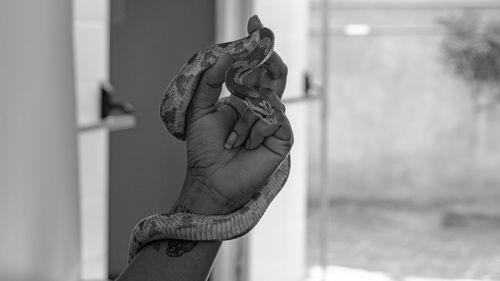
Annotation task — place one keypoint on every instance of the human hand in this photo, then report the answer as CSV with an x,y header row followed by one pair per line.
x,y
232,152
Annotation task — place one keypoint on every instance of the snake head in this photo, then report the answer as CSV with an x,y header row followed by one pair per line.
x,y
266,41
252,98
262,108
261,51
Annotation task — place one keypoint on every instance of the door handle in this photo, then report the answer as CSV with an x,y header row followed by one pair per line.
x,y
110,105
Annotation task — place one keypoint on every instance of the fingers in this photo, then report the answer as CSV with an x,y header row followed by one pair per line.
x,y
277,138
272,98
276,74
259,132
253,132
254,24
282,140
210,85
244,123
276,67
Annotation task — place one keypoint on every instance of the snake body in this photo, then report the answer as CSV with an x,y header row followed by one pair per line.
x,y
248,53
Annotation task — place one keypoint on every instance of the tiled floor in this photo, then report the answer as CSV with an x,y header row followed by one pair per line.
x,y
339,273
402,242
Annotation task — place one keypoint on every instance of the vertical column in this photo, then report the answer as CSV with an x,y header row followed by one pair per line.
x,y
231,23
277,244
38,145
91,35
275,249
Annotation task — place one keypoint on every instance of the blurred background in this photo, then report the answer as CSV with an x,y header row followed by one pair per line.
x,y
395,110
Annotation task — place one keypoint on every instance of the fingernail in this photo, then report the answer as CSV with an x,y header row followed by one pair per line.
x,y
255,17
231,140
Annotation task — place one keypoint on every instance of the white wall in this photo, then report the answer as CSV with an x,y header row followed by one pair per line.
x,y
38,145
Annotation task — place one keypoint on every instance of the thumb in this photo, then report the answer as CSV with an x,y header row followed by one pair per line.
x,y
210,85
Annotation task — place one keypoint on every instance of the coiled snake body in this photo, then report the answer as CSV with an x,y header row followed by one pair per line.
x,y
248,53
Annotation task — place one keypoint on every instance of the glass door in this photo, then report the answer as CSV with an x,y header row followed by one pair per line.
x,y
413,187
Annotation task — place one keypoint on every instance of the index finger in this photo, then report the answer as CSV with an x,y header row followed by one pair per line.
x,y
276,74
254,24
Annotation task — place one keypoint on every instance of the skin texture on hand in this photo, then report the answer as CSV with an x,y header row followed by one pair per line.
x,y
231,152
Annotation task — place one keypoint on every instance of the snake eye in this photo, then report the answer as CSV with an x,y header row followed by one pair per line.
x,y
261,107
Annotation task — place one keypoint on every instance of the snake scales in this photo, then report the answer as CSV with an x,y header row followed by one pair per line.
x,y
248,53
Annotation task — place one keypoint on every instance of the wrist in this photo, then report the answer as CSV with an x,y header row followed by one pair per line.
x,y
198,198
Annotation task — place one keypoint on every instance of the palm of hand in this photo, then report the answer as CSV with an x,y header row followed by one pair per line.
x,y
234,174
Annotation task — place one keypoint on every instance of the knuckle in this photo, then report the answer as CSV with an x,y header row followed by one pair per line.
x,y
211,81
241,128
280,116
284,69
282,108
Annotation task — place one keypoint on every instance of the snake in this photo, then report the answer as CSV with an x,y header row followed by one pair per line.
x,y
248,53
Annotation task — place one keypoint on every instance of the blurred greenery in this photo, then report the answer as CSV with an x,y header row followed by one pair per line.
x,y
471,47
